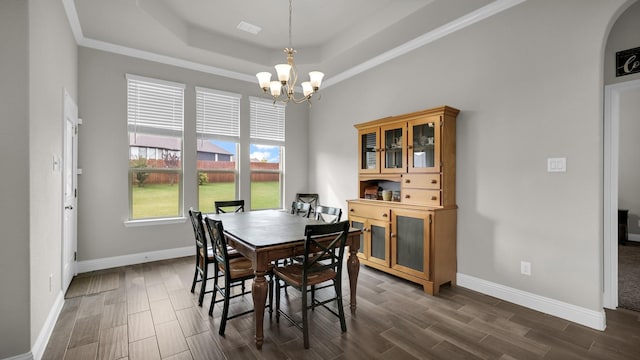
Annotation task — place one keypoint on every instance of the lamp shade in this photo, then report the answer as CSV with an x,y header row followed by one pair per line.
x,y
306,88
263,79
283,71
316,79
276,87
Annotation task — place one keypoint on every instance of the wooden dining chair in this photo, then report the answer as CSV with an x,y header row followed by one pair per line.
x,y
300,208
223,206
322,241
309,198
235,270
204,255
328,214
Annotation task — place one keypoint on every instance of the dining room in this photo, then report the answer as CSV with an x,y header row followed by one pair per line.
x,y
526,271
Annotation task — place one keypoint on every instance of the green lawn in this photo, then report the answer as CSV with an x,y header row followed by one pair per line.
x,y
161,200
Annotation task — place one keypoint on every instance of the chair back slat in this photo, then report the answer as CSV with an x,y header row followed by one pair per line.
x,y
301,209
324,242
328,214
235,205
198,228
309,198
218,241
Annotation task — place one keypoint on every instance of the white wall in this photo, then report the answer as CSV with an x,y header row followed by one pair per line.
x,y
52,68
14,192
528,82
103,153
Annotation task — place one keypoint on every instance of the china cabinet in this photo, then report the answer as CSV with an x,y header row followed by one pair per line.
x,y
412,236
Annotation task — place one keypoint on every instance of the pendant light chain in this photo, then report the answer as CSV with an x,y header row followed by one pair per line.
x,y
290,12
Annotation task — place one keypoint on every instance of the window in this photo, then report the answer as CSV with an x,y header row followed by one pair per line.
x,y
155,116
267,153
218,133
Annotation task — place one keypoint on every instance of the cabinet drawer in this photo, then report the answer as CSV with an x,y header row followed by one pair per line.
x,y
421,181
421,197
368,211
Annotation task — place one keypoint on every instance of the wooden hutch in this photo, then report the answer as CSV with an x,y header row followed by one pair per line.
x,y
412,159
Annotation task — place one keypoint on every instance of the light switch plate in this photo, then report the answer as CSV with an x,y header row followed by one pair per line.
x,y
556,164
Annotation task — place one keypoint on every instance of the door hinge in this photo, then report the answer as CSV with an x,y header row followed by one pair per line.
x,y
75,256
75,193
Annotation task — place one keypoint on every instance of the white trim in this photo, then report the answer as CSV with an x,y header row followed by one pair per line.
x,y
25,356
480,14
132,259
155,81
47,329
587,317
218,92
610,212
152,222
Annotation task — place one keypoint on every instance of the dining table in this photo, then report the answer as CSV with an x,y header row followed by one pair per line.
x,y
266,236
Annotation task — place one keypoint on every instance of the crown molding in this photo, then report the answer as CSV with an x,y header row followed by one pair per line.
x,y
462,22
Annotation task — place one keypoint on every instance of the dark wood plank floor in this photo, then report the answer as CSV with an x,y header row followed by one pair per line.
x,y
147,312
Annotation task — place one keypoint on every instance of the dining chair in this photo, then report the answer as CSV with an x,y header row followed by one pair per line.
x,y
321,241
223,206
236,271
310,198
300,208
328,214
204,255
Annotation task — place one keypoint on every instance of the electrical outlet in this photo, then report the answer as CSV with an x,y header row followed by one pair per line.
x,y
525,268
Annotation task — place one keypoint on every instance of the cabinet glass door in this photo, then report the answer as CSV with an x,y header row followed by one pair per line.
x,y
360,224
393,149
424,147
369,151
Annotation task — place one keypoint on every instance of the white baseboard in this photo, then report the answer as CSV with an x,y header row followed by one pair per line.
x,y
577,314
634,237
45,333
26,356
139,258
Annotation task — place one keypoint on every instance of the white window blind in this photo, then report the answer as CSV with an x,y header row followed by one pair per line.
x,y
155,106
217,113
267,120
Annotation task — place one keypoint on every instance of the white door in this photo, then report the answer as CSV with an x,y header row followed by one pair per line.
x,y
70,192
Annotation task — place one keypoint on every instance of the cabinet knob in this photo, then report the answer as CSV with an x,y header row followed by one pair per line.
x,y
407,181
407,196
392,235
434,198
434,181
410,147
351,210
385,215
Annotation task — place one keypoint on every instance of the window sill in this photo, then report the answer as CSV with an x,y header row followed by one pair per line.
x,y
152,222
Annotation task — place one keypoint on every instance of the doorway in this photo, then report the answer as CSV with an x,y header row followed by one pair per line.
x,y
612,110
70,191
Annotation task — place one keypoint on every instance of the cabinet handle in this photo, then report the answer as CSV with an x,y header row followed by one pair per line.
x,y
410,147
434,198
352,210
385,215
407,181
407,196
392,235
434,181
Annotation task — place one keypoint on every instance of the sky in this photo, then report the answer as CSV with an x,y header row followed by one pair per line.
x,y
260,152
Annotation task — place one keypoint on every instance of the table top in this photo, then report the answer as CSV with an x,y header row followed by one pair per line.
x,y
262,228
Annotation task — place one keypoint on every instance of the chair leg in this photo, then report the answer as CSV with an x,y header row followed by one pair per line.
x,y
225,308
195,277
338,286
215,290
203,288
305,320
277,281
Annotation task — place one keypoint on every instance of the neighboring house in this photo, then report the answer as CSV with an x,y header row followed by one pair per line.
x,y
152,147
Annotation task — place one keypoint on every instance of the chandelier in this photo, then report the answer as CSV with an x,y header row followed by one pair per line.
x,y
283,89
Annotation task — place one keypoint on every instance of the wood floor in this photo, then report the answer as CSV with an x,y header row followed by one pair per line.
x,y
146,311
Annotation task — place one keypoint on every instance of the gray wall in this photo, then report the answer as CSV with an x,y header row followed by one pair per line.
x,y
14,192
625,34
528,82
52,68
103,158
37,61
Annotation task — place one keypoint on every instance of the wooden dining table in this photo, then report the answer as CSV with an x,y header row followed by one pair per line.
x,y
265,236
